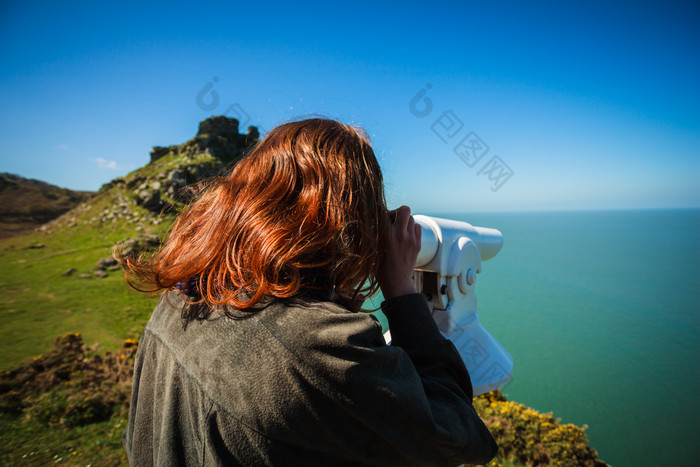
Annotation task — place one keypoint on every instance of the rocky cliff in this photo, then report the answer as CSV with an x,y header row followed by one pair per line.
x,y
163,182
143,203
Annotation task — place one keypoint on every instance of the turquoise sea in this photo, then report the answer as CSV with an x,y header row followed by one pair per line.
x,y
601,312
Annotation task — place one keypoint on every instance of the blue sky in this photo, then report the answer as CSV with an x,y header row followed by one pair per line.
x,y
526,106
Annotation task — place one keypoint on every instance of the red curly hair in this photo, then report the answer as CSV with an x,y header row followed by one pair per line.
x,y
308,197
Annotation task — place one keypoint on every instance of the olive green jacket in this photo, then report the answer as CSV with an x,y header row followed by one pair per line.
x,y
301,382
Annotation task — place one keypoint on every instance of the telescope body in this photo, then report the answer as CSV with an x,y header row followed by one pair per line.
x,y
436,231
446,269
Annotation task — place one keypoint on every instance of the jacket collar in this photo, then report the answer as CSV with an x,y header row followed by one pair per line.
x,y
317,283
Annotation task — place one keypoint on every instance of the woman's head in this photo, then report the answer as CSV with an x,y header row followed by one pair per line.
x,y
309,196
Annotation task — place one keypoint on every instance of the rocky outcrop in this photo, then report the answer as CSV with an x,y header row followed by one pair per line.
x,y
216,135
135,246
173,183
150,198
218,126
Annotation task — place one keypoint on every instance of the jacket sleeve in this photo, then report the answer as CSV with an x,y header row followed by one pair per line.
x,y
443,375
366,402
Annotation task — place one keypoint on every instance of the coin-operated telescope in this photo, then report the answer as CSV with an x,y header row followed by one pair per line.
x,y
446,269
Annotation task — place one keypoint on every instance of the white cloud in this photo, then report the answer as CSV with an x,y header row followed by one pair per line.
x,y
61,147
105,164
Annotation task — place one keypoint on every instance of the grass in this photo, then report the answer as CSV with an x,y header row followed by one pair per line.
x,y
94,444
39,302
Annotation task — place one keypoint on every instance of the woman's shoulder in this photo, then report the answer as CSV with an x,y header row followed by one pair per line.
x,y
316,322
280,329
279,315
257,356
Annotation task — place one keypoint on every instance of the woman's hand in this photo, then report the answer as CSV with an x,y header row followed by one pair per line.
x,y
395,275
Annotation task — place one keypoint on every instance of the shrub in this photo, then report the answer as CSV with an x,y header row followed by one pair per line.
x,y
84,408
532,438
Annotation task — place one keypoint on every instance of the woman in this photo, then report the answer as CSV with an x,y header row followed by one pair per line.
x,y
256,354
